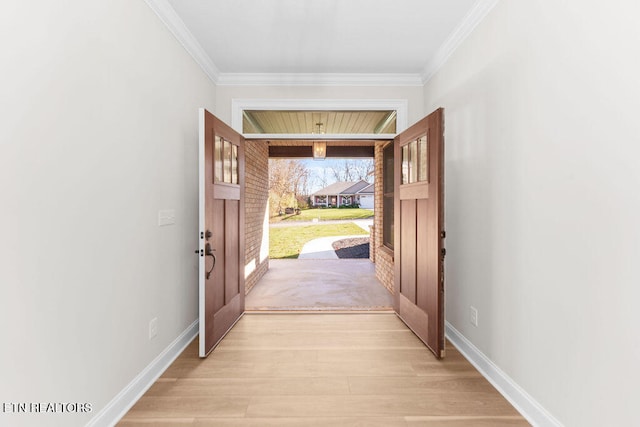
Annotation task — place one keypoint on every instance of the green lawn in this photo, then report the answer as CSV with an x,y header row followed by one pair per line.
x,y
287,242
326,214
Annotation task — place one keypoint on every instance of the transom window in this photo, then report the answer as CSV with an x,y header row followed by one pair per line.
x,y
319,122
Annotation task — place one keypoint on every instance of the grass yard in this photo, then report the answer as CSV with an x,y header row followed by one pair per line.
x,y
326,214
287,242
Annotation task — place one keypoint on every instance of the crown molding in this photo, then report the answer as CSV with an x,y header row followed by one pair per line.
x,y
321,79
174,23
477,13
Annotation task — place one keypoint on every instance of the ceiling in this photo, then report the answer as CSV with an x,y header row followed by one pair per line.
x,y
321,36
320,42
318,122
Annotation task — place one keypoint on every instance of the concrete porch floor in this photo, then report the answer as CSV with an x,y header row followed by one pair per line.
x,y
319,285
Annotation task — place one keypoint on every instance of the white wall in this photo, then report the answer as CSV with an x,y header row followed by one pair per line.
x,y
543,202
98,111
413,94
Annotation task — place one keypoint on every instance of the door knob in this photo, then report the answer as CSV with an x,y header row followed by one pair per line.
x,y
209,252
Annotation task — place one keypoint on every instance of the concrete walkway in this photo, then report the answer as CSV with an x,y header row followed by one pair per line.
x,y
319,285
319,280
322,248
364,223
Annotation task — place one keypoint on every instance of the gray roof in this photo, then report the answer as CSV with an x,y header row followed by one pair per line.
x,y
342,188
367,190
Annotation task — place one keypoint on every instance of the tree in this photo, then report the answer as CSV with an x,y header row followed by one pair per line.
x,y
288,180
354,170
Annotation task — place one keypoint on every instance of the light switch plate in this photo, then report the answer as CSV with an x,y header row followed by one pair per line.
x,y
166,217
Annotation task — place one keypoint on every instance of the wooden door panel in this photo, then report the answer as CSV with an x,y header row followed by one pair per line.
x,y
414,192
231,248
419,213
227,192
215,283
416,318
408,249
422,252
221,230
225,318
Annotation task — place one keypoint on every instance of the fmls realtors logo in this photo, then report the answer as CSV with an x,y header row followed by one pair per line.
x,y
47,407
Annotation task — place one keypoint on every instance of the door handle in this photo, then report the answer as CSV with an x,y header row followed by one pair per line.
x,y
209,252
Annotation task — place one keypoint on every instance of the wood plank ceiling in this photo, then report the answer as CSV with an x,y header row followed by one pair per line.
x,y
331,122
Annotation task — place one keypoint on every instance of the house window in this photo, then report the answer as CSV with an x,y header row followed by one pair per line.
x,y
387,196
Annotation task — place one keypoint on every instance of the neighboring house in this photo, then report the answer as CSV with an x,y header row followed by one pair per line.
x,y
339,194
367,197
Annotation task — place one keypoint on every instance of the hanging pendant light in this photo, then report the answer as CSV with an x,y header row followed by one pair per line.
x,y
319,147
319,150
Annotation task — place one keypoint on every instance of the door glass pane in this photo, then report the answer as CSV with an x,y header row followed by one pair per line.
x,y
226,156
423,159
234,164
217,159
405,164
387,168
387,224
413,161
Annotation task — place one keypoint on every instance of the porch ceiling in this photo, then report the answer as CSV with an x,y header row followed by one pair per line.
x,y
321,122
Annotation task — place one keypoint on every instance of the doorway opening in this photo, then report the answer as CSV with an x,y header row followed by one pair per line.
x,y
227,160
324,212
294,129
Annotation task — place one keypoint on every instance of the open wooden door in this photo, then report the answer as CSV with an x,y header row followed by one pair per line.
x,y
221,233
419,229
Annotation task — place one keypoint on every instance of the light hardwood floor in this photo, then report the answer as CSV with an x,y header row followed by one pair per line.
x,y
321,370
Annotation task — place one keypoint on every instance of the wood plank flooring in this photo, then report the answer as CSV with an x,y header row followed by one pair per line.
x,y
321,370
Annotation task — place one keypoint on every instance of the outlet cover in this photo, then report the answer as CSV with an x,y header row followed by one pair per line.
x,y
473,315
166,217
153,328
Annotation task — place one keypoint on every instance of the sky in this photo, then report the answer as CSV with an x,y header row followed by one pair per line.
x,y
321,170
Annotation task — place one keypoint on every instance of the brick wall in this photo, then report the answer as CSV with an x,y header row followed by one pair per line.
x,y
382,256
256,212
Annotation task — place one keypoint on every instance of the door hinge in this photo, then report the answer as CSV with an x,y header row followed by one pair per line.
x,y
443,252
443,234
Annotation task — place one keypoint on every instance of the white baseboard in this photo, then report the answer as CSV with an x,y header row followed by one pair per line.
x,y
128,396
535,413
